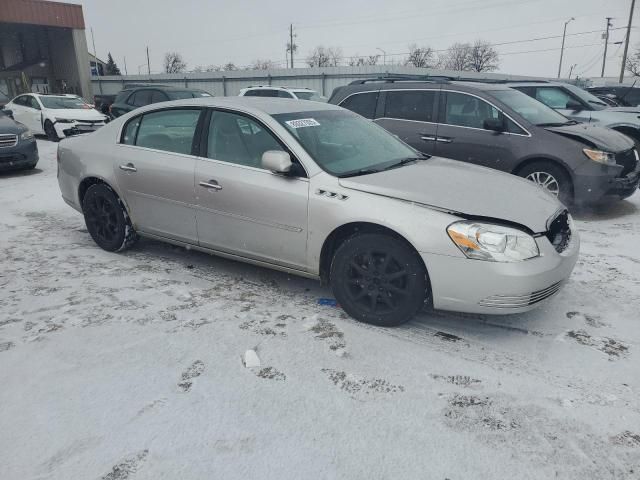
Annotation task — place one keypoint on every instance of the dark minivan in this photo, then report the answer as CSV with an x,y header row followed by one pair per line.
x,y
498,127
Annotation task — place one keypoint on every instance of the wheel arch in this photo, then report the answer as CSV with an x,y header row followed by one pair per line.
x,y
91,180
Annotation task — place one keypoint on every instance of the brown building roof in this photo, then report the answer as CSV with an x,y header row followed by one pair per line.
x,y
42,12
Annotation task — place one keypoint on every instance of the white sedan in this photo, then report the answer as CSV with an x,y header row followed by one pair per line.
x,y
56,116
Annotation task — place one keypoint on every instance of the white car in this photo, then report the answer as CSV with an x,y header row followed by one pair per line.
x,y
56,116
282,92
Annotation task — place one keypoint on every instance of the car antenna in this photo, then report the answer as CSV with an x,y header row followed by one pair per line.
x,y
628,90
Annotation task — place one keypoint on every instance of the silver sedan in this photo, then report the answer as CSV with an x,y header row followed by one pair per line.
x,y
316,190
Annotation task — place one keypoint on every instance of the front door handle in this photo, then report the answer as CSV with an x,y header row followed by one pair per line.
x,y
211,184
444,139
428,138
129,167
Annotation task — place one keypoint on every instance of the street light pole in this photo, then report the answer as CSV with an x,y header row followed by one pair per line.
x,y
564,33
626,43
384,55
606,43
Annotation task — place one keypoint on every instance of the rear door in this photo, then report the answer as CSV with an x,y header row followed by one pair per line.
x,y
155,169
242,208
410,115
462,136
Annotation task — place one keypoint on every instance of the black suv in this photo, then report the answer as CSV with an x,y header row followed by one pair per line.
x,y
138,96
498,127
624,95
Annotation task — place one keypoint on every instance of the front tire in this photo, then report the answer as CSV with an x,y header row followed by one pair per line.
x,y
378,279
107,220
552,178
50,130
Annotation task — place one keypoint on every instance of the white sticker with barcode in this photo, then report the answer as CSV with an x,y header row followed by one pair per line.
x,y
303,122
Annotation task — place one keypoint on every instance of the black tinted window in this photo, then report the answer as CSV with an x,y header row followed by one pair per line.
x,y
467,111
268,93
252,93
410,105
362,103
283,94
140,98
158,96
168,130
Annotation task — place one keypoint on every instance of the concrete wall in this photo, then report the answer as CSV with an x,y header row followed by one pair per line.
x,y
323,80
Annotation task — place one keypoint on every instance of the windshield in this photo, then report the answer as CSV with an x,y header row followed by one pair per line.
x,y
529,108
310,96
60,103
343,143
585,96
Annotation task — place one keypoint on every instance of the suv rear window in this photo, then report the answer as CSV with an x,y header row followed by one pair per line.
x,y
362,103
410,105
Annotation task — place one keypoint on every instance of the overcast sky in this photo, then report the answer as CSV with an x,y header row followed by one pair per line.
x,y
216,32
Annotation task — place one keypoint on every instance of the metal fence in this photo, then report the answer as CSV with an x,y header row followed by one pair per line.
x,y
322,80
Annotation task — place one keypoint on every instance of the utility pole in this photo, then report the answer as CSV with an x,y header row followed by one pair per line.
x,y
564,33
148,63
95,58
291,48
606,43
626,42
125,66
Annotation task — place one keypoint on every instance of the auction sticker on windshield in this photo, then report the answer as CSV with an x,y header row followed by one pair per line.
x,y
303,122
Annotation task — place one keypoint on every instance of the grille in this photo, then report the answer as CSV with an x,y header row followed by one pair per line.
x,y
559,233
8,140
627,160
519,301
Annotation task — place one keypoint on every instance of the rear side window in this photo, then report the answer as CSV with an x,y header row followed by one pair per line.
x,y
410,105
362,103
158,96
252,93
269,93
140,98
168,130
283,94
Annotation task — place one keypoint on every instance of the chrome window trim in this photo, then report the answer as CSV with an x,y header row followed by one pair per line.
x,y
247,167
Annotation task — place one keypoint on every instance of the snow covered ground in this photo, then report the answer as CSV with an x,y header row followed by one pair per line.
x,y
128,366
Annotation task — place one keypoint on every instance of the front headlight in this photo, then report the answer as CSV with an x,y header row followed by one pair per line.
x,y
64,120
494,243
26,135
600,156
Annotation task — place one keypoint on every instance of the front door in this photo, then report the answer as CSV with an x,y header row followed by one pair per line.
x,y
155,169
462,136
409,114
242,208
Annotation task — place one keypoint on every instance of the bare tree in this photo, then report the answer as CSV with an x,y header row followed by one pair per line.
x,y
174,63
230,67
324,57
483,57
457,57
421,57
260,64
198,69
359,60
213,68
633,63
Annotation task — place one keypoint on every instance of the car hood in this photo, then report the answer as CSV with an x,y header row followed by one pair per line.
x,y
635,110
595,137
78,114
465,189
8,126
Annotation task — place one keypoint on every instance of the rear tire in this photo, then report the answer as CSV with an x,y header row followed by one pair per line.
x,y
50,130
551,177
378,279
107,220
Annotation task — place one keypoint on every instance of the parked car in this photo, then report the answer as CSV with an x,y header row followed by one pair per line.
x,y
575,103
498,127
625,95
282,92
56,116
316,190
609,99
103,103
18,148
137,96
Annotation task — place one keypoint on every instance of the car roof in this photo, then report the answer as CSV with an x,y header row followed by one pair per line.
x,y
268,105
279,87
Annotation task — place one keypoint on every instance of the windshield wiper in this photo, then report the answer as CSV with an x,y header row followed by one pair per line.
x,y
362,171
556,124
405,161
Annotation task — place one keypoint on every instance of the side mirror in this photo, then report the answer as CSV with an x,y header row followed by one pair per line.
x,y
573,105
495,124
276,161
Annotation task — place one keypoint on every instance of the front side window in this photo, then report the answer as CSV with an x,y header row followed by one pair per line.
x,y
410,105
238,139
553,97
467,111
158,96
528,108
362,103
140,98
343,143
169,130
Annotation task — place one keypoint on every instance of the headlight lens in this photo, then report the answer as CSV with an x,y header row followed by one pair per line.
x,y
494,243
26,135
64,120
600,156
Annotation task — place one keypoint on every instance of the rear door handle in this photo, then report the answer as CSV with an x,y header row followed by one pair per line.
x,y
444,139
129,167
428,138
211,184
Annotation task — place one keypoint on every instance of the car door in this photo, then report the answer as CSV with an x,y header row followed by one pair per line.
x,y
410,115
463,136
242,208
155,170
